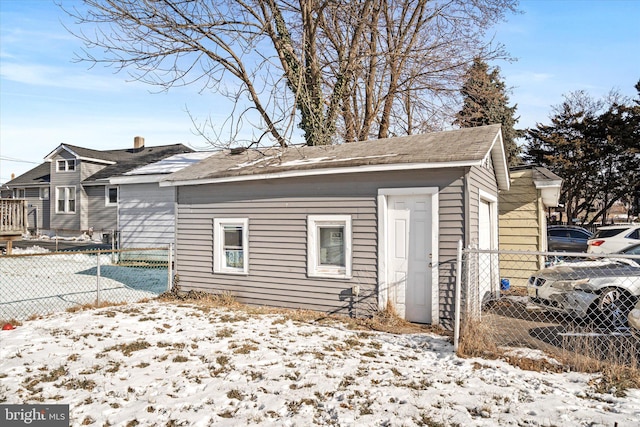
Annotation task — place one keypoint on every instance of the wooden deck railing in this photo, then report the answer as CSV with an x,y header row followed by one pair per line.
x,y
13,217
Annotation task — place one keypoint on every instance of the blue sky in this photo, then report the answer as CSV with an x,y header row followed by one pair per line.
x,y
47,99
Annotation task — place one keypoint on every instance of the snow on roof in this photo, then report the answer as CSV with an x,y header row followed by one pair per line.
x,y
171,164
454,148
299,162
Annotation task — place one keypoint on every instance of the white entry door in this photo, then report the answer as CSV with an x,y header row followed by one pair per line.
x,y
409,255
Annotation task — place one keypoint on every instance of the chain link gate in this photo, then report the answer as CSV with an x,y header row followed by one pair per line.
x,y
571,306
43,283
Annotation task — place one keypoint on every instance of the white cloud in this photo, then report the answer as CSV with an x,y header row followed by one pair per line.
x,y
45,75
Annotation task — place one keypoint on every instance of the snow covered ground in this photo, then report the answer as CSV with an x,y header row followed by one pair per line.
x,y
172,363
41,282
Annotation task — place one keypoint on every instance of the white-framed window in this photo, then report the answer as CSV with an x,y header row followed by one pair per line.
x,y
67,165
44,193
329,246
65,199
19,193
111,195
231,245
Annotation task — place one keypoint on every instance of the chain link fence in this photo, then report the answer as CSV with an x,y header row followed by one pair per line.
x,y
570,306
40,283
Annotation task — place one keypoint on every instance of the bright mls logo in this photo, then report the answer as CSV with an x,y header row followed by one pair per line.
x,y
34,415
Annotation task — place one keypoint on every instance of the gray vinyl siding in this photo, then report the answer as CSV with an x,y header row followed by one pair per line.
x,y
452,229
146,215
277,211
479,178
37,210
101,217
90,168
66,221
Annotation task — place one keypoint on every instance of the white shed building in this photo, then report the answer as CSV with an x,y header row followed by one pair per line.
x,y
146,211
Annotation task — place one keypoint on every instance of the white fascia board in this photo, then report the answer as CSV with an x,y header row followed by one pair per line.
x,y
27,185
550,192
89,159
137,179
48,157
316,172
556,183
500,165
94,183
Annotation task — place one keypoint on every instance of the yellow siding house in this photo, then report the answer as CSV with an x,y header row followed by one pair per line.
x,y
523,220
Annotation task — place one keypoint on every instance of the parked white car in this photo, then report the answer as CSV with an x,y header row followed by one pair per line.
x,y
613,238
634,321
603,290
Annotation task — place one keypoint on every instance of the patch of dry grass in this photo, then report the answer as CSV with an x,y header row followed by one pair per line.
x,y
476,340
128,349
616,364
93,305
383,321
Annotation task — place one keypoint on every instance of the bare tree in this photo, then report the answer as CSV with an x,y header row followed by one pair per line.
x,y
337,69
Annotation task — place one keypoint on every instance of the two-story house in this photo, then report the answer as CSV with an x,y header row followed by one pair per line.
x,y
70,192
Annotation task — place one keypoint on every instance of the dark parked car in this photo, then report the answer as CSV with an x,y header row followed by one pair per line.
x,y
567,238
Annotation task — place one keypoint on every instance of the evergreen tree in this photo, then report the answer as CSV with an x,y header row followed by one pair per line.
x,y
565,148
593,145
485,102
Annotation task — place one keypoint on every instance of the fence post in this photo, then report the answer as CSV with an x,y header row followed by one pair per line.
x,y
98,281
169,268
458,293
113,246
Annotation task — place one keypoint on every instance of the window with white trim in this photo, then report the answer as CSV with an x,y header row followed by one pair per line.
x,y
111,196
231,245
19,193
65,199
68,165
44,193
329,246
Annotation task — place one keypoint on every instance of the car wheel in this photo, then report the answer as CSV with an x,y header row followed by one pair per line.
x,y
612,308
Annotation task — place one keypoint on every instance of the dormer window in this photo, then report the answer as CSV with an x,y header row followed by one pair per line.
x,y
68,165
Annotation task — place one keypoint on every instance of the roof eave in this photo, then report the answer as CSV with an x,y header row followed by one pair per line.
x,y
91,159
498,156
137,179
49,157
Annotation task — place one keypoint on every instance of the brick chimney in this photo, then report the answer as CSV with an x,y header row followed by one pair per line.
x,y
138,142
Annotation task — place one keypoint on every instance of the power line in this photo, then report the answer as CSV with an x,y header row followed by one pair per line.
x,y
11,159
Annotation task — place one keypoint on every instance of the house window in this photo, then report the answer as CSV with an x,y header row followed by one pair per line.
x,y
44,193
18,193
68,165
111,196
329,246
65,199
231,245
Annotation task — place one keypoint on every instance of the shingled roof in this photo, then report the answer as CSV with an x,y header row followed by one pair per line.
x,y
118,162
127,160
463,147
38,175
